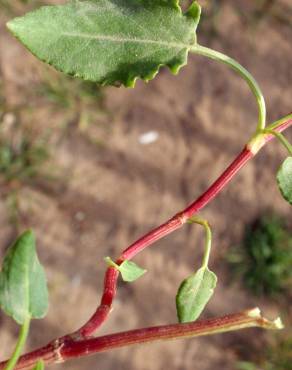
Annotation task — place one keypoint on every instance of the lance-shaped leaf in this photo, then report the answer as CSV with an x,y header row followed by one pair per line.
x,y
110,42
284,178
194,293
23,287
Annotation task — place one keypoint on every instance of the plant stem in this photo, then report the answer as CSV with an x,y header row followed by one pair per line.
x,y
281,138
216,55
280,123
19,345
60,351
250,318
208,240
182,217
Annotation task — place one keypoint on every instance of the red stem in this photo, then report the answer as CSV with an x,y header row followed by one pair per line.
x,y
77,343
171,225
166,228
63,350
164,332
100,315
180,218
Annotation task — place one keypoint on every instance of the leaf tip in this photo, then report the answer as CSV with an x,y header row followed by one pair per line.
x,y
10,25
194,11
28,236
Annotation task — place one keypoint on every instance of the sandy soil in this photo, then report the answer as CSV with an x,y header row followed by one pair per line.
x,y
110,189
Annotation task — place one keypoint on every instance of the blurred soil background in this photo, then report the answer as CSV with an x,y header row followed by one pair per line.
x,y
77,167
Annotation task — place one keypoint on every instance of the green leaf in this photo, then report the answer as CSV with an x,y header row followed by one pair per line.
x,y
39,366
128,269
23,287
284,178
110,42
194,293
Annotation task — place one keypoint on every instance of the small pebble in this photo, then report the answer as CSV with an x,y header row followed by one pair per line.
x,y
148,137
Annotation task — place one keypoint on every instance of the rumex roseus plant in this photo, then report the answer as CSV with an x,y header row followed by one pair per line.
x,y
115,42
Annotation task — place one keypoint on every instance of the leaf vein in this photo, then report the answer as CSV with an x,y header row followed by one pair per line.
x,y
110,38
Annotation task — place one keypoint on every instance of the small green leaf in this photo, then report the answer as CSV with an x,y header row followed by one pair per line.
x,y
39,366
23,287
128,269
284,178
110,42
194,293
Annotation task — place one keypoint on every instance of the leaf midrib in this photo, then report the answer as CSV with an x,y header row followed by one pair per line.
x,y
122,40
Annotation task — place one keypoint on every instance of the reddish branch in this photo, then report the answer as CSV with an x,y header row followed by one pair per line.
x,y
168,227
81,342
65,349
